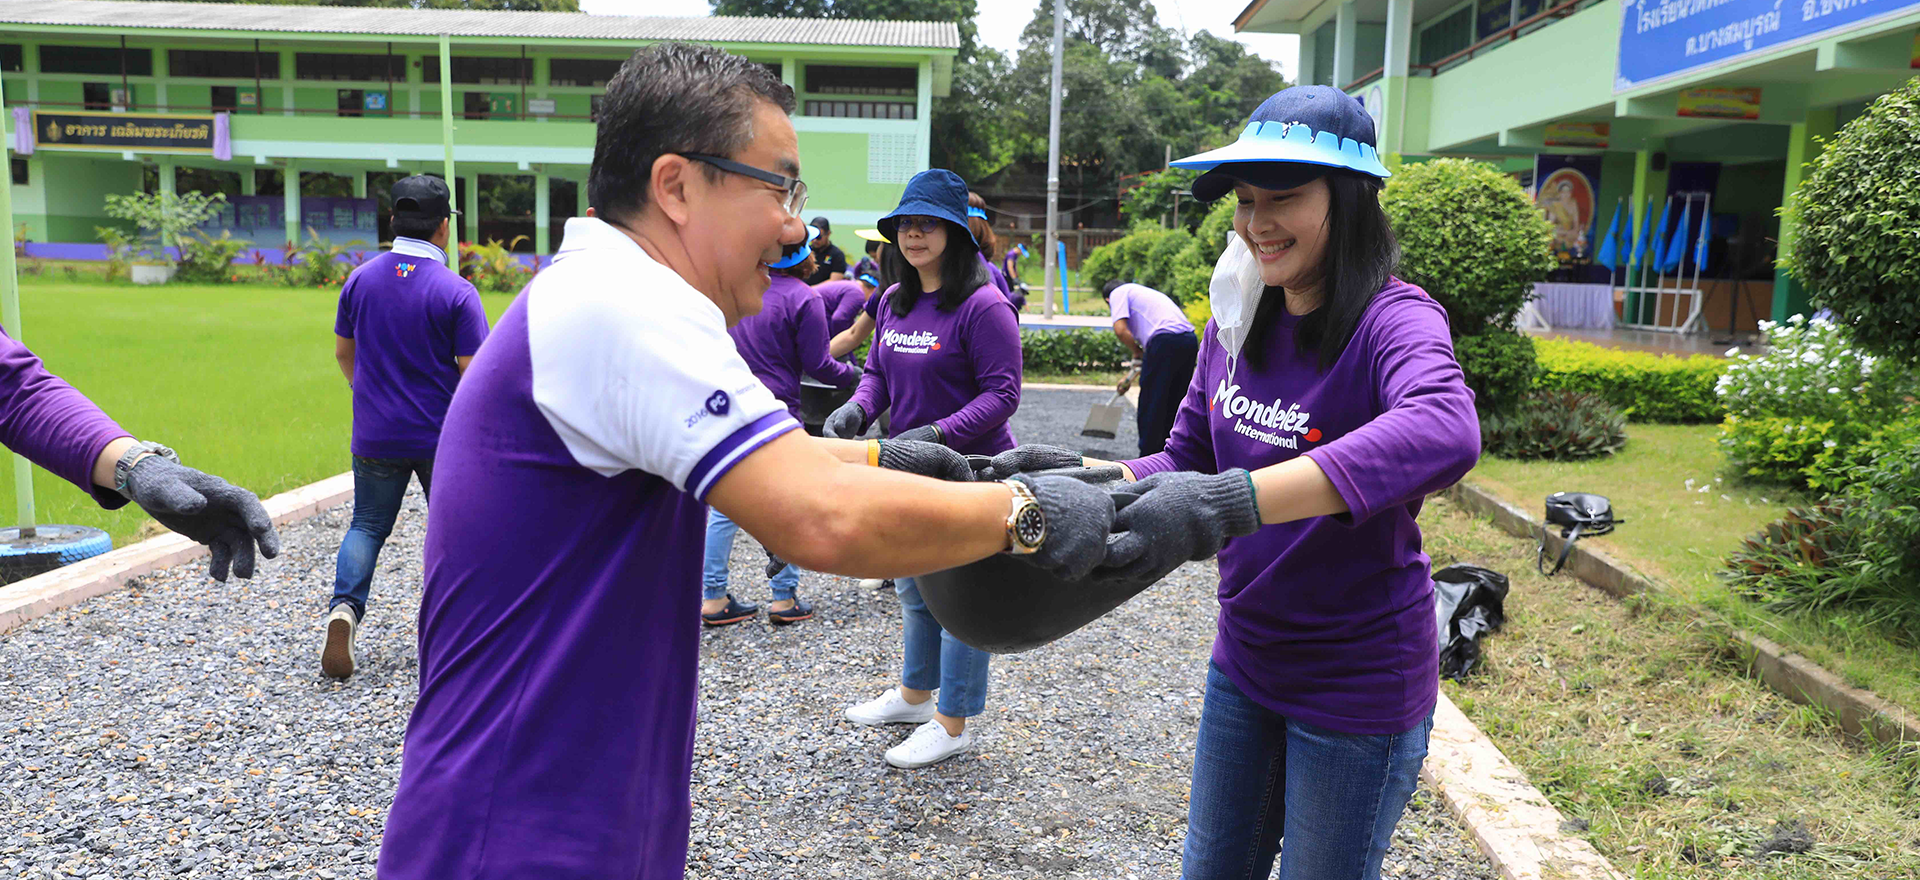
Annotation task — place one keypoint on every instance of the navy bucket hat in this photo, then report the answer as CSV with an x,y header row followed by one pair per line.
x,y
935,192
1292,138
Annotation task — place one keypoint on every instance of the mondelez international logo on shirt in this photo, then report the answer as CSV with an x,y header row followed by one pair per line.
x,y
1269,423
917,342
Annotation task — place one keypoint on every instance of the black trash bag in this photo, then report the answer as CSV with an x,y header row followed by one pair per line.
x,y
1469,602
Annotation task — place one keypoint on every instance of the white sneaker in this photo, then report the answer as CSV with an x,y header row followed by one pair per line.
x,y
872,584
336,658
890,708
930,744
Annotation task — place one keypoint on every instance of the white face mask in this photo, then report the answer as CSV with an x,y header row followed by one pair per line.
x,y
1234,296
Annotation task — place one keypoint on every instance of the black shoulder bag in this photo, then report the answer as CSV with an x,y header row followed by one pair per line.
x,y
1576,513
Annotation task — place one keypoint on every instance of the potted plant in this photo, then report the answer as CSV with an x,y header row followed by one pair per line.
x,y
164,219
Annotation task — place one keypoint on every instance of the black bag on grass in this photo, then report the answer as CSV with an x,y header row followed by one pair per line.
x,y
1469,602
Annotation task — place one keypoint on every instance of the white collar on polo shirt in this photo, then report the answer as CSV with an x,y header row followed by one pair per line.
x,y
416,247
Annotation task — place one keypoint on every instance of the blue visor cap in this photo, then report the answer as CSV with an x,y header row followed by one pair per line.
x,y
935,192
1292,138
799,252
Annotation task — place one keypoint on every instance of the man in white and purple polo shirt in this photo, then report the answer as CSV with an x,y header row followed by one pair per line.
x,y
553,734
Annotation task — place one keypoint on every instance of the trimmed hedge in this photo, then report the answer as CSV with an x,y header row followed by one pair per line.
x,y
1648,387
1072,351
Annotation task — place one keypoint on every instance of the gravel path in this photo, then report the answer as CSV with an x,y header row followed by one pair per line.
x,y
180,728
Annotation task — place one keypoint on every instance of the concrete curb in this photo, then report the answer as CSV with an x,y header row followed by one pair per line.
x,y
44,594
1860,713
1510,821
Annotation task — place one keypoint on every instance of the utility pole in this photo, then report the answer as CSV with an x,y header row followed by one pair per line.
x,y
1053,154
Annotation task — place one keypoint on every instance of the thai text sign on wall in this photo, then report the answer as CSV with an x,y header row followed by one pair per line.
x,y
122,131
1662,38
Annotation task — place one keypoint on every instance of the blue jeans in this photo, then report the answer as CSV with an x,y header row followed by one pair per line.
x,y
379,485
1258,777
713,574
935,660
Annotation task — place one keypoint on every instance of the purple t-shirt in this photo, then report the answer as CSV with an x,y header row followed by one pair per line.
x,y
844,301
1330,619
994,274
52,425
558,633
788,338
1148,312
959,370
409,316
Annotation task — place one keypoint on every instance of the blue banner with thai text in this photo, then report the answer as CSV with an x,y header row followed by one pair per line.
x,y
1661,38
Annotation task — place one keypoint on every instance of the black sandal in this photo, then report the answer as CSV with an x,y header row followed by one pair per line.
x,y
735,612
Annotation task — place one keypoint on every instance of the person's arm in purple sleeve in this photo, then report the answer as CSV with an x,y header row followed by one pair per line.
x,y
810,334
343,345
993,346
1428,435
469,327
872,395
58,428
1189,445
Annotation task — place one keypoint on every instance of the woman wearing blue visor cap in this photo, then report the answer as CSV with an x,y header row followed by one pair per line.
x,y
1325,405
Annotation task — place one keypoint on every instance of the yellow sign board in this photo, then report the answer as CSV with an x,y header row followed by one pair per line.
x,y
1721,103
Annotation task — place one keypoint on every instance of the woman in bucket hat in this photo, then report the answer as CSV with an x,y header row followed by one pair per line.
x,y
946,358
1325,405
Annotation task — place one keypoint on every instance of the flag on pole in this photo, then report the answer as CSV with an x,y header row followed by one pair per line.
x,y
1700,245
1609,255
1677,245
1659,243
1645,236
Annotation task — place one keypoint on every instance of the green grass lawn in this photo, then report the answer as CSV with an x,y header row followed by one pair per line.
x,y
1683,516
240,379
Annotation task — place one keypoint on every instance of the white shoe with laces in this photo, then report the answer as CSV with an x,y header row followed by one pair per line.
x,y
930,744
890,708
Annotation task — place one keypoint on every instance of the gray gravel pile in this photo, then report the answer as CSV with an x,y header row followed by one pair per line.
x,y
180,728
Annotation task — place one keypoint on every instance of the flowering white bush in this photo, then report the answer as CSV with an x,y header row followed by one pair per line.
x,y
1813,394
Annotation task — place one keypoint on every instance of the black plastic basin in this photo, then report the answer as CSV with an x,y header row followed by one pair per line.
x,y
1002,605
818,401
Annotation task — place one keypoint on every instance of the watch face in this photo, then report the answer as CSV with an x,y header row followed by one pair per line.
x,y
1031,526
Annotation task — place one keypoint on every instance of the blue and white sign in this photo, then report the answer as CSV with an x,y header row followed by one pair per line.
x,y
1661,38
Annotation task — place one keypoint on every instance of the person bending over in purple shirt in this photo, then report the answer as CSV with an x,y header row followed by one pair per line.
x,y
406,329
553,734
1326,405
1161,338
58,428
788,338
947,359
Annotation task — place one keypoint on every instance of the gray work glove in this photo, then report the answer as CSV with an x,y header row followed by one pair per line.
x,y
1175,517
925,459
923,434
1079,515
847,422
1030,458
207,509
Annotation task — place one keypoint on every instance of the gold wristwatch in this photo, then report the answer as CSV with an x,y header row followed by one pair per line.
x,y
1026,522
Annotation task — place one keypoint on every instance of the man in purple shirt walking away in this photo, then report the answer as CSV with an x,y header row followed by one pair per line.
x,y
1163,344
52,425
406,328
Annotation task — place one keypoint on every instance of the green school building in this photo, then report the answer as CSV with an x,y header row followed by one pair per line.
x,y
302,114
1705,106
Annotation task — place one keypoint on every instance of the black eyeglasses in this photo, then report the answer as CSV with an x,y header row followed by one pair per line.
x,y
795,187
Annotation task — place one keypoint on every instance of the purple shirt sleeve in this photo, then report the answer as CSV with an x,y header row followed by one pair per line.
x,y
343,316
469,323
872,394
1427,435
1189,446
53,425
993,345
810,336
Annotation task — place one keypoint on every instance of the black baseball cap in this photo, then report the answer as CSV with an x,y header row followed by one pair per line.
x,y
422,196
821,224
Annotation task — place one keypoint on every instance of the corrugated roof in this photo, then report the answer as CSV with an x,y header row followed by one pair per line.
x,y
121,16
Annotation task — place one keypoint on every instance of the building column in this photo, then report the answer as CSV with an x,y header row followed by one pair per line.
x,y
169,185
470,204
1803,146
580,198
286,76
1345,40
542,211
290,200
1648,184
1308,46
1393,80
249,182
160,78
359,184
923,112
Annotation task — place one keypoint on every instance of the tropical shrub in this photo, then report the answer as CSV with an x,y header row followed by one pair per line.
x,y
1470,237
1072,351
163,218
1857,248
319,262
208,260
1499,366
120,244
492,267
1555,425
